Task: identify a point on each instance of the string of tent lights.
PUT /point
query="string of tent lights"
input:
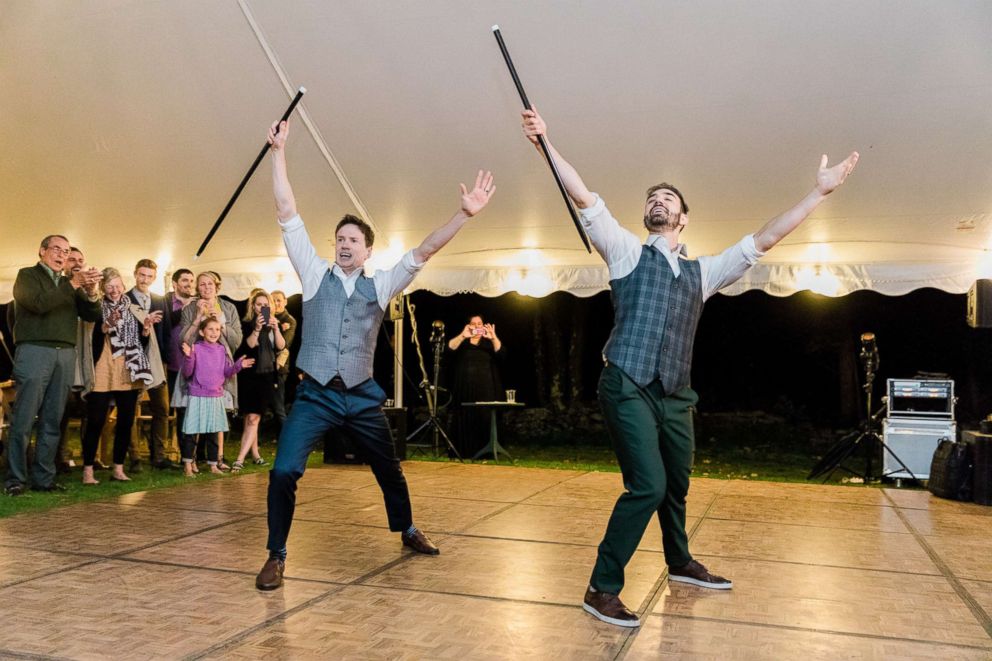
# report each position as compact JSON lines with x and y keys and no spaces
{"x":527,"y":273}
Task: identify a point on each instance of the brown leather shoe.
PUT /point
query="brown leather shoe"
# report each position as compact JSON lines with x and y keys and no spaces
{"x":270,"y":577}
{"x":609,"y":608}
{"x":695,"y":573}
{"x":420,"y":543}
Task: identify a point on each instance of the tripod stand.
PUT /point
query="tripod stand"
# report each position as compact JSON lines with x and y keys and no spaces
{"x":433,"y":423}
{"x":867,"y":434}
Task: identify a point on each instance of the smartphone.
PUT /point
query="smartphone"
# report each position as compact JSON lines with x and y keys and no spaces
{"x":478,"y":331}
{"x":266,"y":315}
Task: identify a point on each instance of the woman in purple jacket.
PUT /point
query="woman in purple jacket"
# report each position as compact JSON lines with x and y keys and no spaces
{"x":206,"y":367}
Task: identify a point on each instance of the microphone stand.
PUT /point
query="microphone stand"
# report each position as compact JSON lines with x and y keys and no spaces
{"x":431,"y":393}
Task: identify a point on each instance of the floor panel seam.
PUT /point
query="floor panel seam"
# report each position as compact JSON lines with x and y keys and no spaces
{"x":245,"y":633}
{"x":831,"y":632}
{"x":984,"y":620}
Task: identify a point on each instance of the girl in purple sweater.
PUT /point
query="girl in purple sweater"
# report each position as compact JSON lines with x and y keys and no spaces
{"x":206,"y":367}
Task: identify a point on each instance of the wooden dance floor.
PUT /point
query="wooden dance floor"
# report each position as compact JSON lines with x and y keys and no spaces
{"x":819,"y":573}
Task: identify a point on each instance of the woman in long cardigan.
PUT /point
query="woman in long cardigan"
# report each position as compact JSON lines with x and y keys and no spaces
{"x":119,"y":369}
{"x":209,"y":304}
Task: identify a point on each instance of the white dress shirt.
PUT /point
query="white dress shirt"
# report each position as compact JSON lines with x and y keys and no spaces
{"x":621,"y":250}
{"x":311,"y":267}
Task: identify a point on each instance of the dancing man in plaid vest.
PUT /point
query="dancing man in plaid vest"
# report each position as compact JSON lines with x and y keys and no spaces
{"x":658,"y":295}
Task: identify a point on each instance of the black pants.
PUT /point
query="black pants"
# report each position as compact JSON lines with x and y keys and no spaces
{"x":97,"y":406}
{"x":188,"y":443}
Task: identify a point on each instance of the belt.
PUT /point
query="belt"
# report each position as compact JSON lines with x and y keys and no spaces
{"x":337,"y":383}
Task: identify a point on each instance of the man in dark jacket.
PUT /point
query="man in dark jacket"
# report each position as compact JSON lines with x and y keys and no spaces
{"x":48,"y":307}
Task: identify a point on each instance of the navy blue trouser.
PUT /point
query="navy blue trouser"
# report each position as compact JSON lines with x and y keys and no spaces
{"x":356,"y":412}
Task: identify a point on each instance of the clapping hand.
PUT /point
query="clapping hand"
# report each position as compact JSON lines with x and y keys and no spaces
{"x":247,"y":362}
{"x":187,"y":350}
{"x":154,"y":317}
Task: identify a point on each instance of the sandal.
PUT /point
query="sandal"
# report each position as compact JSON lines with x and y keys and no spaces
{"x":258,"y":461}
{"x":237,"y":466}
{"x":224,"y":468}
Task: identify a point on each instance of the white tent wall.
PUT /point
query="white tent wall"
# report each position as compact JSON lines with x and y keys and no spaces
{"x":127,"y":124}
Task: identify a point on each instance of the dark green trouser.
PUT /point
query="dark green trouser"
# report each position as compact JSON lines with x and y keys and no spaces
{"x":652,"y":436}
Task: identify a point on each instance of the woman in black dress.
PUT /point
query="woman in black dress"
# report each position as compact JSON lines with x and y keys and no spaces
{"x":257,"y":386}
{"x":478,"y":353}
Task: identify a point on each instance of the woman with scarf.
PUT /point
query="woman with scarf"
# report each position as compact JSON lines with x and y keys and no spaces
{"x":257,"y":385}
{"x":120,"y":370}
{"x":209,"y":304}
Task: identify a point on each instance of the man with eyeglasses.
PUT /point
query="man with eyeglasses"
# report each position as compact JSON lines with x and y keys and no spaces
{"x":48,"y":307}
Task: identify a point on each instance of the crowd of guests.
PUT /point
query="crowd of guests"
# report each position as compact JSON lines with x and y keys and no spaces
{"x":83,"y":338}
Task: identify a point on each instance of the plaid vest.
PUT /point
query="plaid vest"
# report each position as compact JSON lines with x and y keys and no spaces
{"x":655,"y":319}
{"x":339,"y":333}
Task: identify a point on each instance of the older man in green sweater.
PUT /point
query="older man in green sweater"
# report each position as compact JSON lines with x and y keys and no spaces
{"x":48,"y":307}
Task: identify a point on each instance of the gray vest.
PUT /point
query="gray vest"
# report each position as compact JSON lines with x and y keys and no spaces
{"x":339,"y":333}
{"x":655,"y":319}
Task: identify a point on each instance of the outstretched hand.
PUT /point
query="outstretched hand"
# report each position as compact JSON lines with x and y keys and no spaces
{"x":828,"y":179}
{"x":475,"y":200}
{"x":278,"y":140}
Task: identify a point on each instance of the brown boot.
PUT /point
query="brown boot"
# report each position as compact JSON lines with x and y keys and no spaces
{"x":270,"y":577}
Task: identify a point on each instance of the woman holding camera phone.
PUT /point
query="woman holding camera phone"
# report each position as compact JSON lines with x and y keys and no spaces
{"x":258,"y":385}
{"x":478,"y":352}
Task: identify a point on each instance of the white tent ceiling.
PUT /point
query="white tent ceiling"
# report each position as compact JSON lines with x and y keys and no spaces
{"x":127,"y":124}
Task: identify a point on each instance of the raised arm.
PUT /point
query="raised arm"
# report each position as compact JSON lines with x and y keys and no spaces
{"x":472,"y":202}
{"x":285,"y":201}
{"x":827,"y":181}
{"x":534,"y":126}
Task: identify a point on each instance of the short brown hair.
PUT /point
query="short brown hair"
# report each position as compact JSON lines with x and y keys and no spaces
{"x":145,"y":264}
{"x":212,"y":319}
{"x":666,"y":186}
{"x":349,"y":219}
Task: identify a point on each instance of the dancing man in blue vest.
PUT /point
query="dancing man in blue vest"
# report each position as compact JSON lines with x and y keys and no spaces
{"x":658,"y":295}
{"x":342,"y":312}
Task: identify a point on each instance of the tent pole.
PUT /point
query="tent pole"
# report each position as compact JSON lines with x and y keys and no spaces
{"x":398,"y":363}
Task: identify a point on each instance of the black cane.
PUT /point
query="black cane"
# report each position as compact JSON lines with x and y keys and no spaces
{"x":251,"y":171}
{"x":540,"y":139}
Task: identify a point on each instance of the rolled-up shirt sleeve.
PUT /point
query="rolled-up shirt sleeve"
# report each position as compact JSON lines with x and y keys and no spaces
{"x":390,"y":282}
{"x":719,"y":271}
{"x":309,"y":266}
{"x":619,"y":248}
